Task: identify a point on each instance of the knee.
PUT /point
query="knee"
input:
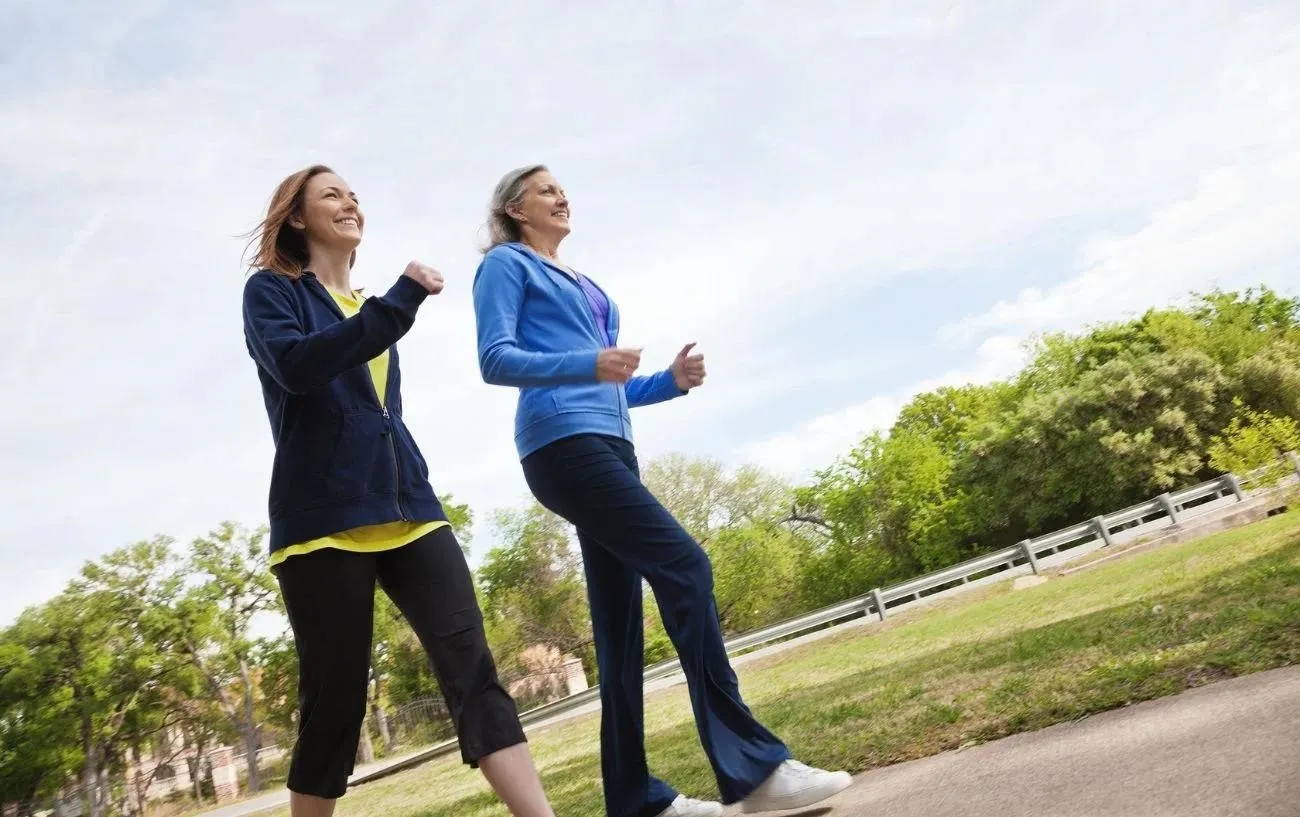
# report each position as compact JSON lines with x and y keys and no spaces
{"x":338,"y":687}
{"x":694,"y":574}
{"x":462,"y":659}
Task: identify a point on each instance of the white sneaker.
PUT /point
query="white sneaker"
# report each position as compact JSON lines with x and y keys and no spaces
{"x":794,"y":785}
{"x":686,"y":807}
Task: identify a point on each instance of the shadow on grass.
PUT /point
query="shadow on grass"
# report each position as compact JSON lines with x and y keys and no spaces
{"x":1243,"y":619}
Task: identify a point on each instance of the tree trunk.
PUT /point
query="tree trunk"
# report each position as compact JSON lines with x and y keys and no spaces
{"x":244,"y":723}
{"x":365,"y":746}
{"x":89,"y":770}
{"x":98,"y":780}
{"x":195,"y":764}
{"x":385,"y":734}
{"x":252,"y":740}
{"x":381,"y":718}
{"x":141,"y":783}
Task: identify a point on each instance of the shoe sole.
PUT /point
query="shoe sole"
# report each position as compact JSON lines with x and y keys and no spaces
{"x":802,"y":799}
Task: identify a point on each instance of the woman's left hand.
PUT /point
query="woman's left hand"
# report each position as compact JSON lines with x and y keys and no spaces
{"x":687,"y":368}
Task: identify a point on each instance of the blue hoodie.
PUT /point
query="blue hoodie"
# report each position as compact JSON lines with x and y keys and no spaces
{"x":342,"y":459}
{"x":536,"y":332}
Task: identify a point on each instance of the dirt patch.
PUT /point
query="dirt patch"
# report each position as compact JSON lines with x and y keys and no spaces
{"x":1201,"y":676}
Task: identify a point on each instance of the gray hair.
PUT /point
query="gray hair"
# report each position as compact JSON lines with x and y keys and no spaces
{"x":502,"y":227}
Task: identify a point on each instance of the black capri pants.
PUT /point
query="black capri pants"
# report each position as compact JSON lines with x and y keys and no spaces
{"x":329,"y":596}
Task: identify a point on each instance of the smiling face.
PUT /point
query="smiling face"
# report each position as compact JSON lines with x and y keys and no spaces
{"x":544,"y":209}
{"x":330,"y":215}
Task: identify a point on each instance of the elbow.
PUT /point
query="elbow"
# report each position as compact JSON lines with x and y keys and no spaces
{"x":294,"y":379}
{"x":288,"y":377}
{"x":490,"y":368}
{"x":294,"y":384}
{"x":501,"y":364}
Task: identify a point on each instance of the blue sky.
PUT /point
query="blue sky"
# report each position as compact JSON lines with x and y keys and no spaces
{"x":843,"y":203}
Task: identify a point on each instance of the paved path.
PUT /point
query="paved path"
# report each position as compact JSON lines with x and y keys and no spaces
{"x":276,"y":799}
{"x":1231,"y":749}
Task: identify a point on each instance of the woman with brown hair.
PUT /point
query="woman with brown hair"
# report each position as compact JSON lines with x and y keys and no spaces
{"x":350,"y":501}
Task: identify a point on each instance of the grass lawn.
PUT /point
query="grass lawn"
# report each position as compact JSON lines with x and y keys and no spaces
{"x":971,"y":669}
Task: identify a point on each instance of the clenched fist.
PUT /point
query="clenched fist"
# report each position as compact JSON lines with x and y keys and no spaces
{"x":425,"y":276}
{"x":688,"y":369}
{"x":617,"y":365}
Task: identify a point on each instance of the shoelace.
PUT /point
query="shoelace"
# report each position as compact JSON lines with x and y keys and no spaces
{"x":800,"y":770}
{"x":683,"y":800}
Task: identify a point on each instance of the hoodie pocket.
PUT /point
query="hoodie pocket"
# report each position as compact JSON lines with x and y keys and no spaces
{"x":597,"y":398}
{"x":305,"y":459}
{"x":362,"y":463}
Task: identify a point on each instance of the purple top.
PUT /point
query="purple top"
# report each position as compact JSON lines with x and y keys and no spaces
{"x":599,"y":306}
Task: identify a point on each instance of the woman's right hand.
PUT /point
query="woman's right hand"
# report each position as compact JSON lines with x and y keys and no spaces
{"x":617,"y":365}
{"x":425,"y":276}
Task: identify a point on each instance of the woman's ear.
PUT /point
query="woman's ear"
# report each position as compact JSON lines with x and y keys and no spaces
{"x":295,"y":221}
{"x":513,"y":211}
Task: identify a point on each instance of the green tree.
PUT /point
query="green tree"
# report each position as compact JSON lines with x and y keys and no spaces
{"x":138,"y":587}
{"x":1124,"y":432}
{"x":534,"y":579}
{"x":395,"y":644}
{"x":689,"y":488}
{"x":1256,"y":441}
{"x":1059,"y":360}
{"x":92,"y":678}
{"x":462,"y":521}
{"x":737,"y":516}
{"x":75,"y":642}
{"x":953,"y":417}
{"x":755,"y":574}
{"x":233,"y":586}
{"x":277,"y":661}
{"x":705,"y":498}
{"x":1095,"y":421}
{"x":1238,"y":325}
{"x":1269,"y":380}
{"x":38,"y":717}
{"x":895,"y":505}
{"x":1229,"y":327}
{"x":658,"y":646}
{"x":879,"y":503}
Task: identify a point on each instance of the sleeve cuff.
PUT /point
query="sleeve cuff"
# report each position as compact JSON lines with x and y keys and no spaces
{"x":670,"y":389}
{"x":582,"y":366}
{"x":406,"y":294}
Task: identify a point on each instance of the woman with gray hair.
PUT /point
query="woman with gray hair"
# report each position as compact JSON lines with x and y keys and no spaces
{"x":552,"y":333}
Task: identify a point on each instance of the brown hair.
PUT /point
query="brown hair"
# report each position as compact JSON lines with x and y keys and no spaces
{"x":280,"y":246}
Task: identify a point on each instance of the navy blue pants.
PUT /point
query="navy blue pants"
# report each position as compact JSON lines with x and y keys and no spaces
{"x":626,"y":534}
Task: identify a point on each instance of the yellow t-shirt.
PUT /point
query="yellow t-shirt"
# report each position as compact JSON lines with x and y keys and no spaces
{"x":370,"y":538}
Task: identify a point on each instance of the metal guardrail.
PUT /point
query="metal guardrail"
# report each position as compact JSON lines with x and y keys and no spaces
{"x":1083,"y":538}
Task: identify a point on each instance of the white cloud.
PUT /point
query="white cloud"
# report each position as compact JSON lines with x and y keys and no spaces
{"x":815,"y":444}
{"x":1238,"y":229}
{"x":747,"y":177}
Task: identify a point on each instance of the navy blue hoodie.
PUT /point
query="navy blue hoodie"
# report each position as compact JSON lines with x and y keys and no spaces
{"x":342,"y":460}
